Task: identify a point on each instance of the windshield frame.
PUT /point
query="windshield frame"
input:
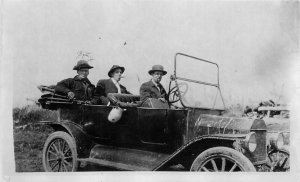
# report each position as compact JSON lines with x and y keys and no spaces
{"x":175,"y":78}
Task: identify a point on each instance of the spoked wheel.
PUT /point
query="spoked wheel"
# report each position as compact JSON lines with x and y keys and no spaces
{"x":59,"y":153}
{"x":279,"y":161}
{"x":222,"y":159}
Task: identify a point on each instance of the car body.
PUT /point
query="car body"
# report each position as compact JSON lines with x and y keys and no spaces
{"x":154,"y":136}
{"x":278,"y":136}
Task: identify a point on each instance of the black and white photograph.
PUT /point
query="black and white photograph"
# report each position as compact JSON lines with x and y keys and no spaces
{"x":146,"y":87}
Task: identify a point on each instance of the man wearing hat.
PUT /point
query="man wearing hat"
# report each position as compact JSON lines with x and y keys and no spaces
{"x":153,"y":88}
{"x":79,"y":86}
{"x":111,"y":85}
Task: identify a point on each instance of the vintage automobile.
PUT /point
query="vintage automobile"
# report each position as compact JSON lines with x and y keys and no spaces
{"x":278,"y":136}
{"x":188,"y":133}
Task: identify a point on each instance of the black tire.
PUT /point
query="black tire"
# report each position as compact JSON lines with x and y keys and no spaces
{"x":59,"y":153}
{"x":222,"y":159}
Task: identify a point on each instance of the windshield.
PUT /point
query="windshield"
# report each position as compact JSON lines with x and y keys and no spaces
{"x":198,"y":82}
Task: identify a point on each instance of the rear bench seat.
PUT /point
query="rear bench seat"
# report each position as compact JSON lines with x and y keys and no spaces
{"x":124,"y":100}
{"x":128,"y":100}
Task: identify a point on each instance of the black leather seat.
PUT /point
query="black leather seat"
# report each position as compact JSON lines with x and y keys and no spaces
{"x":124,"y":100}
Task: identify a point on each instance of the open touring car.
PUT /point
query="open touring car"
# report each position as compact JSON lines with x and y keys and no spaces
{"x":189,"y":131}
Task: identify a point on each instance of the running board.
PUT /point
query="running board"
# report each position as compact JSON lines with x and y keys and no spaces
{"x":124,"y":158}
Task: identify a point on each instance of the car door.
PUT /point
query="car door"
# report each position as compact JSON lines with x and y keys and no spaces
{"x":153,"y":126}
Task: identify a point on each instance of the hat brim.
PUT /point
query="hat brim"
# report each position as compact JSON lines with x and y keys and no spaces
{"x":151,"y":71}
{"x":112,"y":70}
{"x":82,"y":67}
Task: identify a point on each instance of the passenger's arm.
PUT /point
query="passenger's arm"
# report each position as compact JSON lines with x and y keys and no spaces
{"x":64,"y":86}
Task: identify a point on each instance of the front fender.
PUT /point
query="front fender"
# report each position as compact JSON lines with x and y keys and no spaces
{"x":192,"y":149}
{"x":83,"y":141}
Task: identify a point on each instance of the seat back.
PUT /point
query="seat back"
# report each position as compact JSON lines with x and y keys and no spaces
{"x":155,"y":103}
{"x":124,"y":100}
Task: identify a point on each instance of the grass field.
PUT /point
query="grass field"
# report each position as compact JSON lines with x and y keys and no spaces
{"x":29,"y":137}
{"x":28,"y":145}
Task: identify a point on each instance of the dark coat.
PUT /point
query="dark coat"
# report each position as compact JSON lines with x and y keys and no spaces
{"x":149,"y":90}
{"x":76,"y":86}
{"x":103,"y":88}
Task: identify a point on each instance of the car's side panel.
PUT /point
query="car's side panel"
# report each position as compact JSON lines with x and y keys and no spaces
{"x":95,"y":121}
{"x":122,"y":132}
{"x":72,"y":113}
{"x":177,"y":128}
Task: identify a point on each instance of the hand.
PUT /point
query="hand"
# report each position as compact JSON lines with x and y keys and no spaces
{"x":88,"y":102}
{"x":162,"y":99}
{"x":71,"y":95}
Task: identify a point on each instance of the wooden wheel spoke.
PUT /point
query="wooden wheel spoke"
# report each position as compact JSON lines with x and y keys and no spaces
{"x":284,"y":162}
{"x":64,"y":167}
{"x":59,"y":144}
{"x":68,"y":158}
{"x":55,"y":154}
{"x":51,"y":160}
{"x":205,"y":169}
{"x":64,"y":146}
{"x":214,"y":165}
{"x":51,"y":148}
{"x":59,"y":167}
{"x":233,"y":167}
{"x":223,"y":164}
{"x":54,"y":165}
{"x":55,"y":148}
{"x":67,"y":151}
{"x":67,"y":163}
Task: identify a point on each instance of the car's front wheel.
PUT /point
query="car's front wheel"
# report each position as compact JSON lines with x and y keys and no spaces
{"x":222,"y":159}
{"x":59,"y":153}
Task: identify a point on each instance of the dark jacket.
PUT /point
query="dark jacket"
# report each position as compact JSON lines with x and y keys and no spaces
{"x":78,"y":87}
{"x":149,"y":90}
{"x":103,"y":88}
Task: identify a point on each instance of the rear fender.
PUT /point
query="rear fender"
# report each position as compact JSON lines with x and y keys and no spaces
{"x":187,"y":153}
{"x":83,"y":141}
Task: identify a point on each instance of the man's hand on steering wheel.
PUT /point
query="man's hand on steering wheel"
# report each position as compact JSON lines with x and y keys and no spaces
{"x":174,"y":93}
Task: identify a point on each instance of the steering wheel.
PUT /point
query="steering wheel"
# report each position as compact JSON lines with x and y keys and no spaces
{"x":174,"y":93}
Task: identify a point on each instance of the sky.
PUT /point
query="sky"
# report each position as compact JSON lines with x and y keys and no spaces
{"x":255,"y":43}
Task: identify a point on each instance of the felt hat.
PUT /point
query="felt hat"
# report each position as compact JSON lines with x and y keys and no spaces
{"x":113,"y":68}
{"x":82,"y":64}
{"x":157,"y":68}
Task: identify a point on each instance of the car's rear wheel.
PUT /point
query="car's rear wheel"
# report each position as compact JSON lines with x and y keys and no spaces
{"x":222,"y":159}
{"x":59,"y":153}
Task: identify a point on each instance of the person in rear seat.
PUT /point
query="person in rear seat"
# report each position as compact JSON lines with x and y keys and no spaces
{"x":111,"y":85}
{"x":78,"y":87}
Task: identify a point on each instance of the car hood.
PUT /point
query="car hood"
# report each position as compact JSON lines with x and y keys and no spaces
{"x":277,"y":124}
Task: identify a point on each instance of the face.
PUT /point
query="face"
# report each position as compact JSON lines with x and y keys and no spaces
{"x":157,"y":76}
{"x":83,"y":73}
{"x":117,"y":74}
